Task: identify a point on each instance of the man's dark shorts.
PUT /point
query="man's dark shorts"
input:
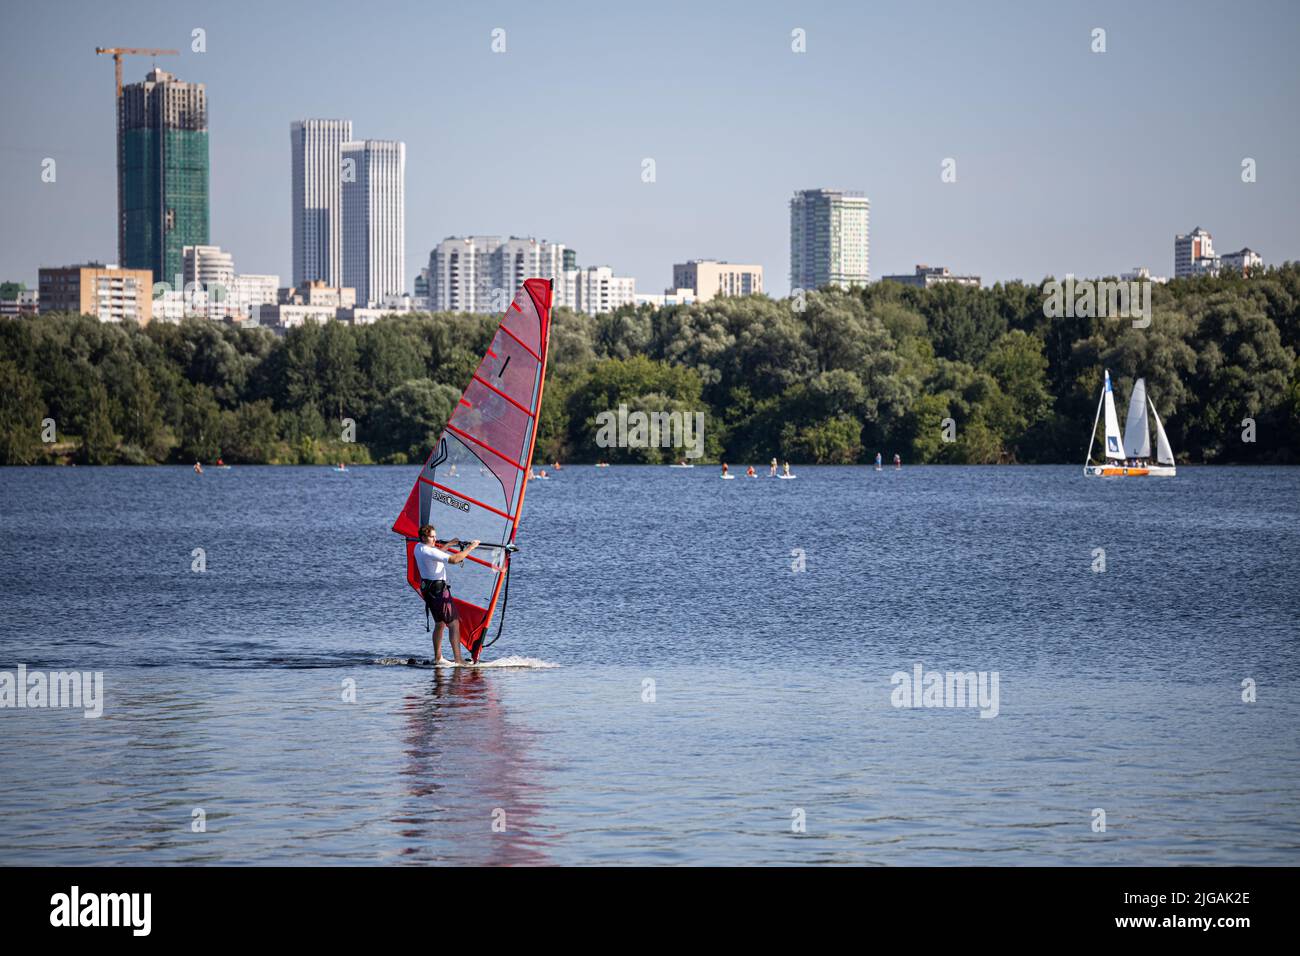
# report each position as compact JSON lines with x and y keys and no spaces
{"x":438,"y":600}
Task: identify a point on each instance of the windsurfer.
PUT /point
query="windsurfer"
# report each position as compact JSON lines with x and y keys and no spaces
{"x":432,"y":561}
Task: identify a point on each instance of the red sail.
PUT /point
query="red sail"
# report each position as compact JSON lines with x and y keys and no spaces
{"x":472,"y":485}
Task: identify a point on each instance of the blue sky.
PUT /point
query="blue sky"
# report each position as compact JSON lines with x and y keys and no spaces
{"x":1067,"y":160}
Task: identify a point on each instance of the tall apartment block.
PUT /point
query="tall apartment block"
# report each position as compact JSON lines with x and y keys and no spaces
{"x":109,"y":293}
{"x":1194,"y":254}
{"x":164,"y":173}
{"x":481,"y":273}
{"x":829,"y":239}
{"x":316,"y":147}
{"x":374,"y":219}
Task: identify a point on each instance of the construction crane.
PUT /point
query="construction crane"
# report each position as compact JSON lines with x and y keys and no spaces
{"x":118,"y":52}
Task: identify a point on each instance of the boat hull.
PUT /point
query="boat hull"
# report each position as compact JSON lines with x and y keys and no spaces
{"x":1126,"y":471}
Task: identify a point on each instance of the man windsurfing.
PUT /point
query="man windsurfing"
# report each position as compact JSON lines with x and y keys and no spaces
{"x":432,"y":562}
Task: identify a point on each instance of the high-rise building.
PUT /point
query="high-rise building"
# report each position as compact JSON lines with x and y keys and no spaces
{"x":828,"y":239}
{"x":164,"y":173}
{"x":316,"y":146}
{"x":1194,"y":254}
{"x":709,"y":277}
{"x":109,"y":293}
{"x":482,"y":273}
{"x":926,"y":276}
{"x":374,"y":219}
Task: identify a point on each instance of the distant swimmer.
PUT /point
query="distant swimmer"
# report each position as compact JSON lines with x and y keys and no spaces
{"x":772,"y":473}
{"x":558,"y":466}
{"x":898,"y":462}
{"x":750,"y":473}
{"x":431,"y":561}
{"x":198,"y":469}
{"x":451,"y":471}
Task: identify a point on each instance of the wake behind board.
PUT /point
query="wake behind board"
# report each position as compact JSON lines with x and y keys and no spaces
{"x":504,"y":663}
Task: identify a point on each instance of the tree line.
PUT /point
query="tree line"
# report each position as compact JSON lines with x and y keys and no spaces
{"x":830,"y":377}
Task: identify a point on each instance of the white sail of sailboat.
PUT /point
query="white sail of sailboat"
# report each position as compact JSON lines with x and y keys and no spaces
{"x":1129,"y":454}
{"x":1137,"y":436}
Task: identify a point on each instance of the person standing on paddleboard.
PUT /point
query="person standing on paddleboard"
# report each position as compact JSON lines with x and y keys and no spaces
{"x":432,"y":562}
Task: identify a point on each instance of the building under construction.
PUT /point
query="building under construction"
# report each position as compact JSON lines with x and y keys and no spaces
{"x":164,"y":173}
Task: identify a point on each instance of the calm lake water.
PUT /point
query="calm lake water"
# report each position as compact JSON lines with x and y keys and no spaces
{"x":709,"y":700}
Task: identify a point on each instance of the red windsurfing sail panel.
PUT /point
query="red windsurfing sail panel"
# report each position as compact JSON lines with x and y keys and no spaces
{"x":472,"y":485}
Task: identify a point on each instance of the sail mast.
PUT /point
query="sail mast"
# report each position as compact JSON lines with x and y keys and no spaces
{"x":1092,"y":436}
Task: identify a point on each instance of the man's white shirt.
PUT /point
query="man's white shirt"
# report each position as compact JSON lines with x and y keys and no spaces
{"x":432,"y":562}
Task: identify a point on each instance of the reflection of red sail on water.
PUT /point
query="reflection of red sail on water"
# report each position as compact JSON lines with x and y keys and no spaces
{"x":472,"y":485}
{"x":467,"y":769}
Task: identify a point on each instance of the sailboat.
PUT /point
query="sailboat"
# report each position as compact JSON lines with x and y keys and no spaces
{"x":472,"y":484}
{"x":1129,"y":455}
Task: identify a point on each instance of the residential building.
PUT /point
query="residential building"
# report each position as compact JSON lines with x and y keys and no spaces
{"x":926,"y":276}
{"x":208,"y":266}
{"x":482,"y":273}
{"x":319,"y":295}
{"x":110,"y":293}
{"x":709,"y":277}
{"x":163,"y":173}
{"x":374,"y":219}
{"x":316,"y":148}
{"x":829,"y":239}
{"x":20,"y":302}
{"x":1241,"y":261}
{"x":669,"y":297}
{"x":597,"y":290}
{"x":1194,"y":254}
{"x":1142,"y":274}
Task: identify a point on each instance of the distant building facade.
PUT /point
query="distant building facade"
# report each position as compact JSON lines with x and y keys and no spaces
{"x":374,"y":219}
{"x":110,"y":293}
{"x":164,"y":173}
{"x":1243,"y":260}
{"x":829,"y":239}
{"x":709,"y":277}
{"x":482,"y":273}
{"x":20,"y":302}
{"x":1194,"y":254}
{"x":669,"y":297}
{"x":926,"y":276}
{"x":596,"y":290}
{"x":209,"y":266}
{"x":316,"y":148}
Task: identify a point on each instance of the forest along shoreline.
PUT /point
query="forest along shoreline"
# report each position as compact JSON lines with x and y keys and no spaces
{"x":827,"y":378}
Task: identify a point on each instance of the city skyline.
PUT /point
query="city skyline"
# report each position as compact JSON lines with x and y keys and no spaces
{"x":1116,"y":167}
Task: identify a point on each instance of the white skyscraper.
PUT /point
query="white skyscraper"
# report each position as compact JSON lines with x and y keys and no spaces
{"x":829,"y":239}
{"x":317,"y":146}
{"x":374,"y":219}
